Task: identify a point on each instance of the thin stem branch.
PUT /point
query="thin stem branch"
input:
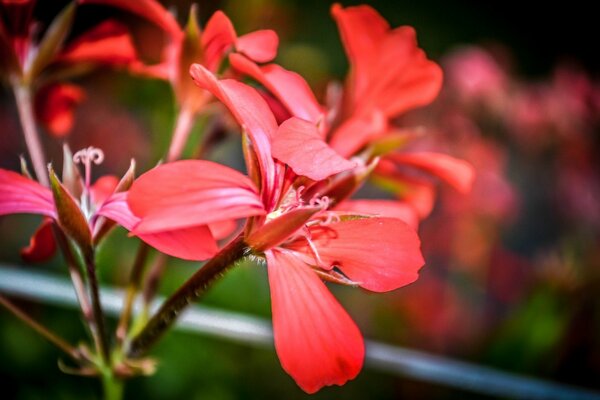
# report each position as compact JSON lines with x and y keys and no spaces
{"x":76,"y":274}
{"x":191,"y":290}
{"x":183,"y":127}
{"x":152,"y":280}
{"x":32,"y":139}
{"x":42,"y":330}
{"x":133,"y":287}
{"x":100,"y":335}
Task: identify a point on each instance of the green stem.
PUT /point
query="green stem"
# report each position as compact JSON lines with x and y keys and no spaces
{"x":32,"y":140}
{"x":152,"y":281}
{"x":100,"y":335}
{"x":76,"y":274}
{"x":42,"y":330}
{"x":191,"y":290}
{"x":112,"y":385}
{"x":133,"y":287}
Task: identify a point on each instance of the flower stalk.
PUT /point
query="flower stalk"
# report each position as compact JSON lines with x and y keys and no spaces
{"x":98,"y":328}
{"x":133,"y":288}
{"x":191,"y":290}
{"x":32,"y":140}
{"x":42,"y":330}
{"x":181,"y":132}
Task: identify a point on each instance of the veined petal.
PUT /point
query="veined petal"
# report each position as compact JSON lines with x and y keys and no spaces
{"x":189,"y":193}
{"x":382,"y":208}
{"x":150,"y":10}
{"x":381,"y":254}
{"x":252,"y":113}
{"x":299,"y":145}
{"x":457,"y":173}
{"x":389,"y":72}
{"x":19,"y":194}
{"x":195,"y":243}
{"x":362,"y":29}
{"x":260,"y":46}
{"x":318,"y":344}
{"x":289,"y":87}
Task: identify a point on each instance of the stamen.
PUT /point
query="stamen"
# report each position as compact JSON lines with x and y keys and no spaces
{"x":311,"y":245}
{"x":86,"y":157}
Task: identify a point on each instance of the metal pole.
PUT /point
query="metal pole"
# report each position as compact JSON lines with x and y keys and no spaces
{"x":418,"y":365}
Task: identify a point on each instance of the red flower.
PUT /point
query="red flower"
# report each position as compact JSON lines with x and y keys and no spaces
{"x":81,"y":210}
{"x":299,"y":233}
{"x":389,"y":75}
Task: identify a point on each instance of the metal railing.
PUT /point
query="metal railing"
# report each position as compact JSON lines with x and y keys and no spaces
{"x":418,"y":365}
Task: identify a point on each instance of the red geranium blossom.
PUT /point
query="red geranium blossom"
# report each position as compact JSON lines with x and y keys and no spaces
{"x":300,"y":233}
{"x":87,"y":207}
{"x":389,"y":75}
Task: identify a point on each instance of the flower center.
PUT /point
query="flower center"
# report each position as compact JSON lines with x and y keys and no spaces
{"x":87,"y":157}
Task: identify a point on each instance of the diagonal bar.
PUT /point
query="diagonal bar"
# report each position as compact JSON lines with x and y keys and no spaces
{"x":50,"y":289}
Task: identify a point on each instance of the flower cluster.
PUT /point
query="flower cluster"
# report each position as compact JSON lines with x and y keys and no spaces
{"x":294,"y":207}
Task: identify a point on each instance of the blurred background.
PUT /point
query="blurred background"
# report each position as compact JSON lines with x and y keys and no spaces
{"x":513,"y":269}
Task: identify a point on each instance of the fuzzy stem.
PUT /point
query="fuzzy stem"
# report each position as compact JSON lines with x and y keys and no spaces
{"x":133,"y":287}
{"x":183,"y":127}
{"x":32,"y":140}
{"x":191,"y":290}
{"x":42,"y":330}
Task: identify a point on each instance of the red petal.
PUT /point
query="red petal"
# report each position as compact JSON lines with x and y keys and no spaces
{"x":19,"y":194}
{"x":218,"y":37}
{"x":389,"y":71}
{"x":42,"y":245}
{"x":191,"y":193}
{"x":107,"y":43}
{"x":289,"y":87}
{"x":259,"y":46}
{"x":252,"y":113}
{"x":222,"y":229}
{"x":420,"y":193}
{"x":151,"y":10}
{"x":195,"y":243}
{"x":382,"y":208}
{"x":357,"y":132}
{"x":55,"y":105}
{"x":457,"y":173}
{"x":318,"y":344}
{"x":103,"y":188}
{"x":381,"y":254}
{"x":299,"y":145}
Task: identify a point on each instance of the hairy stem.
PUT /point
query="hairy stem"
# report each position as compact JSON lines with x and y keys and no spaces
{"x":32,"y":139}
{"x":42,"y":330}
{"x":191,"y":290}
